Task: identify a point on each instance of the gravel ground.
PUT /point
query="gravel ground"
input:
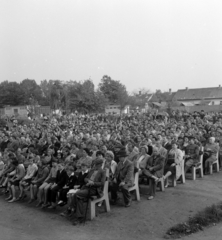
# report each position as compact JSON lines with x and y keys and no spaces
{"x":143,"y":220}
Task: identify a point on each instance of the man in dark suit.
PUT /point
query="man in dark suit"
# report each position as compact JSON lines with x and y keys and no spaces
{"x":154,"y":171}
{"x":60,"y":182}
{"x":80,"y":182}
{"x":166,"y":144}
{"x":123,"y":178}
{"x":94,"y":187}
{"x":70,"y":183}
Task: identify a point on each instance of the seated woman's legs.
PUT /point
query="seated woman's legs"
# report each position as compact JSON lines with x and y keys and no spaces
{"x":21,"y":187}
{"x":33,"y":192}
{"x":10,"y":192}
{"x":13,"y":185}
{"x":46,"y":190}
{"x":41,"y":192}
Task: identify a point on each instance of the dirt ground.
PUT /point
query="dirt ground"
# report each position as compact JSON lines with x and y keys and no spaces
{"x":143,"y":220}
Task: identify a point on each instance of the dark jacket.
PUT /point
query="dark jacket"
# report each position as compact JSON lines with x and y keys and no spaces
{"x":4,"y":145}
{"x":167,"y":146}
{"x":71,"y":181}
{"x":157,"y":163}
{"x":81,"y":179}
{"x":61,"y":178}
{"x":125,"y":172}
{"x":99,"y":180}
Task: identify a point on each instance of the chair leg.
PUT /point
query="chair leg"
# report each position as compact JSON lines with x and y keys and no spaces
{"x":92,"y":210}
{"x":162,"y":185}
{"x":211,"y":169}
{"x":217,"y":166}
{"x":193,"y":173}
{"x":183,"y":178}
{"x":174,"y":181}
{"x":107,"y":205}
{"x":137,"y":193}
{"x":201,"y":172}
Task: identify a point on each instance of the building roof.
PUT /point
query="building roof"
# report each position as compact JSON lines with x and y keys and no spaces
{"x":186,"y":104}
{"x":198,"y":93}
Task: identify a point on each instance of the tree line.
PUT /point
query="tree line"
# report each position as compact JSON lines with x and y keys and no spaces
{"x":71,"y":95}
{"x":67,"y":95}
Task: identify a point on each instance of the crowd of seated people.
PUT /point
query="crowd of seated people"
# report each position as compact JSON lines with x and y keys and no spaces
{"x":63,"y":162}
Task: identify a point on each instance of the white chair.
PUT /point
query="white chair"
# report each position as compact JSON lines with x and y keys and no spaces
{"x":135,"y":187}
{"x":105,"y":198}
{"x":199,"y":167}
{"x":215,"y":163}
{"x":182,"y":177}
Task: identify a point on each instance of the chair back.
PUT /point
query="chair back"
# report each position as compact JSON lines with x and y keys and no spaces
{"x":201,"y":156}
{"x":136,"y":178}
{"x":106,"y":184}
{"x":217,"y":156}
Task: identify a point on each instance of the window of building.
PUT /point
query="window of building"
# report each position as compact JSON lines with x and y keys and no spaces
{"x":220,"y":102}
{"x":213,"y":103}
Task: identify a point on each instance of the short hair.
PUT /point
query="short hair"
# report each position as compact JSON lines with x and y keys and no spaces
{"x":99,"y":153}
{"x":87,"y":151}
{"x":110,"y":153}
{"x":11,"y":155}
{"x":15,"y":162}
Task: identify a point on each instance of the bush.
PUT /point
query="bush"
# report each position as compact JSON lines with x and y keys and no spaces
{"x":209,"y":216}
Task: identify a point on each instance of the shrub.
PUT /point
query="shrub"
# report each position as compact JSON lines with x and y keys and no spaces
{"x":209,"y":216}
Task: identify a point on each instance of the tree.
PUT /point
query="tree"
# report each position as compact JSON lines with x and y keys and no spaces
{"x":46,"y":90}
{"x":54,"y":92}
{"x":11,"y":94}
{"x":100,"y":101}
{"x":81,"y":96}
{"x":114,"y":91}
{"x":32,"y":92}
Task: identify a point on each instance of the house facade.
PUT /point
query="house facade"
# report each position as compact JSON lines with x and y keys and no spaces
{"x":116,"y":109}
{"x":23,"y":111}
{"x":16,"y":111}
{"x":199,"y":96}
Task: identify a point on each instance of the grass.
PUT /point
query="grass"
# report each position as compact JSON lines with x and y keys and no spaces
{"x":210,"y":216}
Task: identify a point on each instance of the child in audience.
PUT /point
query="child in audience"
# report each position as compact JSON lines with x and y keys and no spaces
{"x":60,"y":182}
{"x":43,"y":172}
{"x":26,"y":181}
{"x":71,"y":181}
{"x":14,"y":181}
{"x":44,"y":188}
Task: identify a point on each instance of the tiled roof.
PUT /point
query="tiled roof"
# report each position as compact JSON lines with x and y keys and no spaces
{"x":198,"y":93}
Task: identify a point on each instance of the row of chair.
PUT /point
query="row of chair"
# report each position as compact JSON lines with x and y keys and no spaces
{"x":135,"y":187}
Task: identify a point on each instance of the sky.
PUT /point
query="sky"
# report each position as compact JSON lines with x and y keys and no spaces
{"x":151,"y":44}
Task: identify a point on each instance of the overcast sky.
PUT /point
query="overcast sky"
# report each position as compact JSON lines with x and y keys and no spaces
{"x":152,"y":44}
